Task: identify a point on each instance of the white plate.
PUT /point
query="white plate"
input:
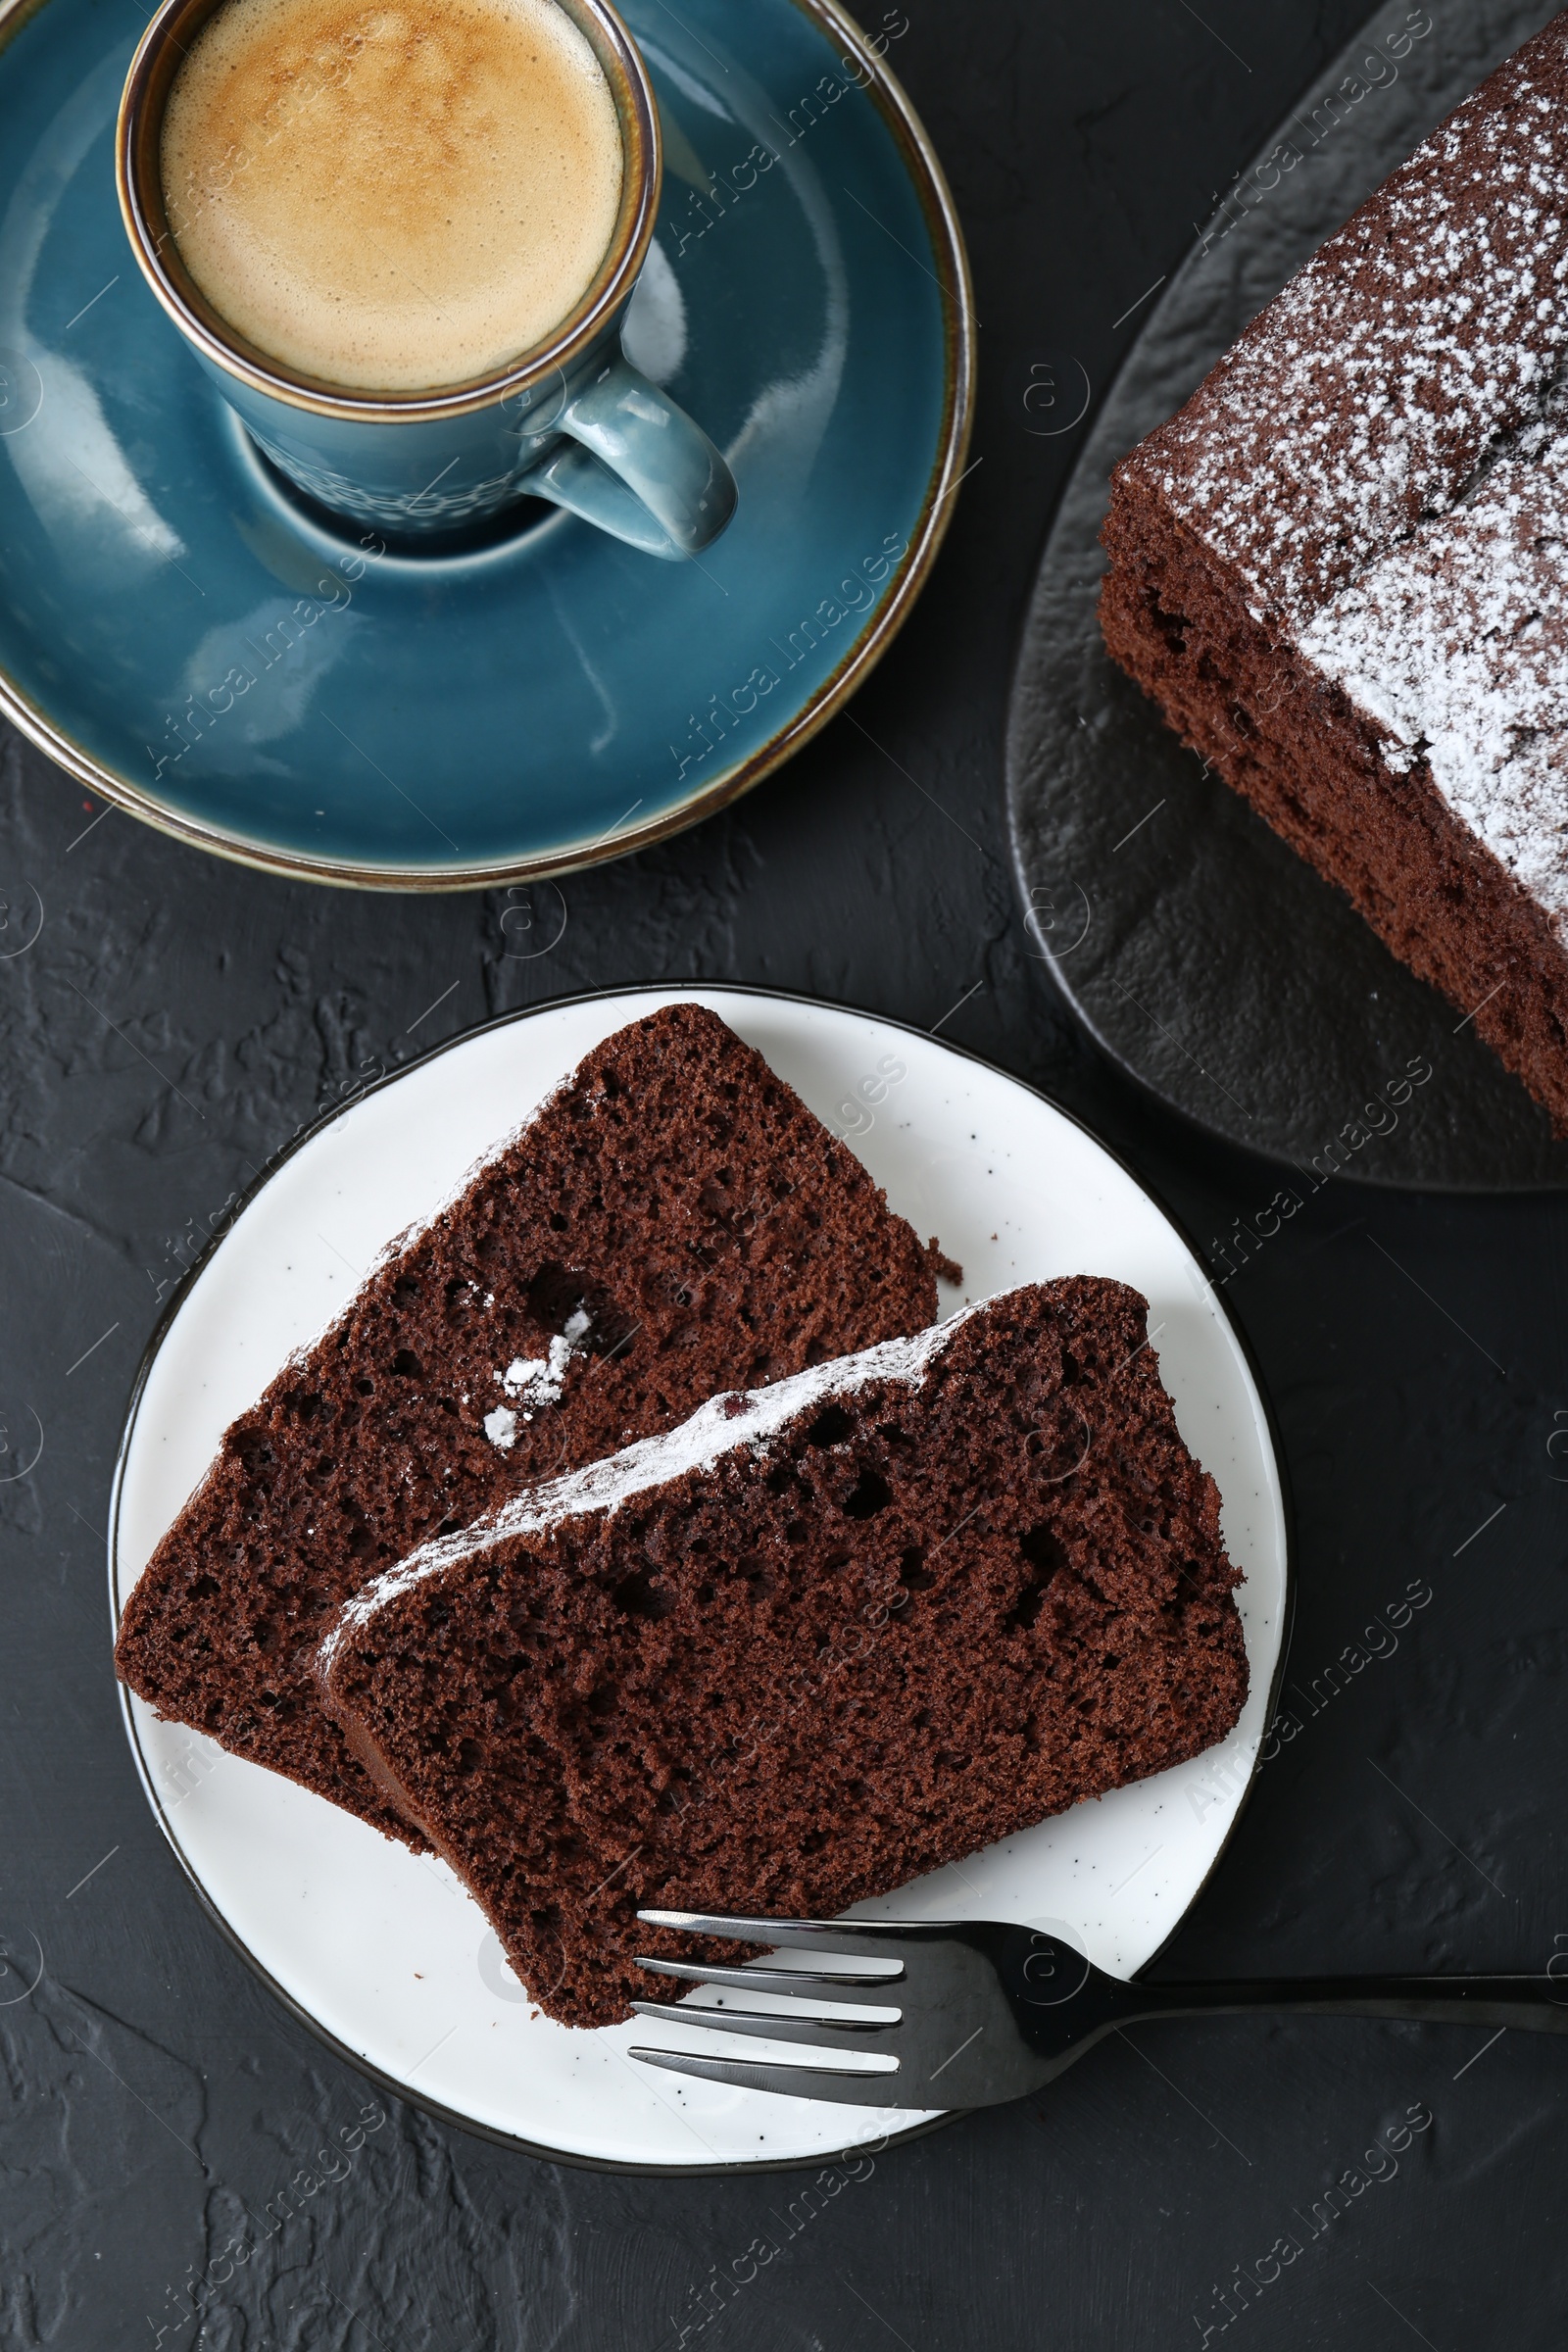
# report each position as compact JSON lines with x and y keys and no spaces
{"x":382,"y":1951}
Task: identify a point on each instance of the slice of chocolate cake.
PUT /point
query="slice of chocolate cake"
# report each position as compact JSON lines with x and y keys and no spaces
{"x":819,"y":1640}
{"x":1342,"y":569}
{"x":672,"y":1221}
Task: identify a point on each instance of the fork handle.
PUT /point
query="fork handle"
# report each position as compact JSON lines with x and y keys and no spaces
{"x":1536,"y":2004}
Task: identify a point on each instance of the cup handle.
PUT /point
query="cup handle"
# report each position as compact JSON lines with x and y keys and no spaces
{"x":636,"y":466}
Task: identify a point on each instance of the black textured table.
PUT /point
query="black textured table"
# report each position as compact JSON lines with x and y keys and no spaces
{"x":174,"y":1020}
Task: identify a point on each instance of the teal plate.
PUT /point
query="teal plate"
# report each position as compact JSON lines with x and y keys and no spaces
{"x":188,"y":640}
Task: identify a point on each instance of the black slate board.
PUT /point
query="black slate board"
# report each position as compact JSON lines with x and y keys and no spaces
{"x":1205,"y":956}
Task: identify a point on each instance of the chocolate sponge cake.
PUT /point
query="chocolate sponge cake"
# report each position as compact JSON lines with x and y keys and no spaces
{"x":816,"y":1641}
{"x":1342,"y":569}
{"x":672,"y":1221}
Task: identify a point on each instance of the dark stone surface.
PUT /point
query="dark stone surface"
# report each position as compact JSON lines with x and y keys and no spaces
{"x":175,"y":1020}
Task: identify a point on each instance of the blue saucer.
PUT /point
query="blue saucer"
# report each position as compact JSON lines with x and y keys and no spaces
{"x":186,"y":638}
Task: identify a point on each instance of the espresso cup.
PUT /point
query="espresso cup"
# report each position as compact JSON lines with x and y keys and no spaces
{"x":570,"y":420}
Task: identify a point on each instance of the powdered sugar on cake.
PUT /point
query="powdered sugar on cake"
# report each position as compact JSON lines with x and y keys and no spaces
{"x":1381,"y":464}
{"x":1456,"y":643}
{"x":1361,"y":401}
{"x":535,"y":1381}
{"x":739,"y":1418}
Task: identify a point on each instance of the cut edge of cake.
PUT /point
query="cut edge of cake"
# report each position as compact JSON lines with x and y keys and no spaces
{"x":723,"y":1429}
{"x":680,"y":1015}
{"x":604,"y":1486}
{"x":1283,"y":548}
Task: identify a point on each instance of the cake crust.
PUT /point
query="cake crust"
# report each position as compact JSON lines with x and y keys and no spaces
{"x":672,"y":1221}
{"x":816,"y":1642}
{"x":1341,"y":568}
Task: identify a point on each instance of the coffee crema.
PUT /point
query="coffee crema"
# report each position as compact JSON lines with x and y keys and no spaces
{"x":392,"y":197}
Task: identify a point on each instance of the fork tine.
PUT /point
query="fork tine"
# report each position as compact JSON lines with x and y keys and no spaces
{"x":827,"y":2033}
{"x":841,"y":2084}
{"x":819,"y":1980}
{"x":870,"y":1939}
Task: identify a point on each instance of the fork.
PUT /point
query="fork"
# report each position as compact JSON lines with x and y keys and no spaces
{"x":972,"y":2011}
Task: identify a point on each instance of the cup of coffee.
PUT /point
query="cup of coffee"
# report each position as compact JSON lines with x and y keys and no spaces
{"x":401,"y":236}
